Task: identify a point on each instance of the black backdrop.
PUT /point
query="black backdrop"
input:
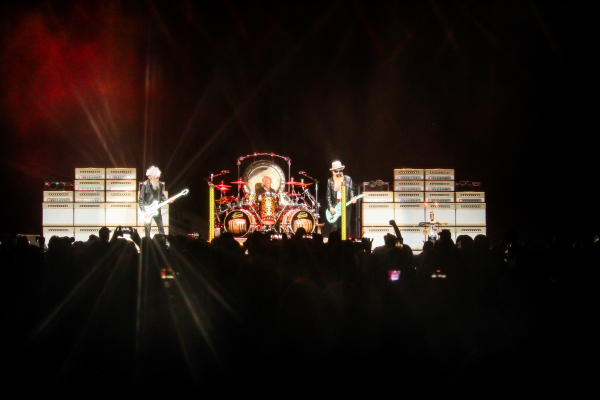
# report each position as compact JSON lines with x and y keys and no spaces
{"x":503,"y":92}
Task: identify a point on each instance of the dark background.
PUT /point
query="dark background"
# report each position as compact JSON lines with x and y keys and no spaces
{"x":503,"y":92}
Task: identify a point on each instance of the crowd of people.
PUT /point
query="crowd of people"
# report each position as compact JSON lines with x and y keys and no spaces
{"x":297,"y":317}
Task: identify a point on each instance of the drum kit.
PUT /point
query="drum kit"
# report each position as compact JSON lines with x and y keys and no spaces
{"x":277,"y":211}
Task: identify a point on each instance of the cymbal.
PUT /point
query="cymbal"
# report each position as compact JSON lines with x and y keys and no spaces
{"x":240,"y":182}
{"x":223,"y":189}
{"x":225,"y":199}
{"x":294,"y":194}
{"x":222,"y":185}
{"x":296,"y":183}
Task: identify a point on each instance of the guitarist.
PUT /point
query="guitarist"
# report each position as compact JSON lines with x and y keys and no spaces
{"x":334,"y":194}
{"x":152,"y":189}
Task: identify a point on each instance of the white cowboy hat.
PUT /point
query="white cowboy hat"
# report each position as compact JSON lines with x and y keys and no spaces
{"x":337,"y":166}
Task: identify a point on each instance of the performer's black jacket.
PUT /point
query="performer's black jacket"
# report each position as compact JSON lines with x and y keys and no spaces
{"x":147,"y":194}
{"x":332,"y":195}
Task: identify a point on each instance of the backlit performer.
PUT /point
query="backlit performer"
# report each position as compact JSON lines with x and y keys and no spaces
{"x":152,"y":190}
{"x":334,"y":194}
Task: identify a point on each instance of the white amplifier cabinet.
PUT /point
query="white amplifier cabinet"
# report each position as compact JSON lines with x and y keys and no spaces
{"x":403,"y":174}
{"x":471,"y":231}
{"x":153,"y":230}
{"x":121,"y":196}
{"x":89,"y":184}
{"x":442,"y":212}
{"x":57,"y":214}
{"x":165,"y":214}
{"x":409,"y":197}
{"x":90,"y":173}
{"x":409,"y":214}
{"x":89,"y":197}
{"x":439,"y":174}
{"x":377,"y":197}
{"x":124,"y":214}
{"x":412,"y":236}
{"x":377,"y":233}
{"x":470,"y":214}
{"x":60,"y":231}
{"x":82,"y":234}
{"x":409,"y":186}
{"x":90,"y":214}
{"x":439,"y":186}
{"x":439,"y":197}
{"x":470,"y":197}
{"x":121,"y":184}
{"x":376,"y":214}
{"x":121,"y":173}
{"x":58,"y":196}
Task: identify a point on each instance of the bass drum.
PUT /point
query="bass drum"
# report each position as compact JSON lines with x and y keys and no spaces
{"x":294,"y":219}
{"x":240,"y":223}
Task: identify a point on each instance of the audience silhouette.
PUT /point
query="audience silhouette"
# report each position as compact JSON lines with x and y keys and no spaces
{"x":296,"y":317}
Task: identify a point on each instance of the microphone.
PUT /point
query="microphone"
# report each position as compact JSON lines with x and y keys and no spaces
{"x":302,"y":173}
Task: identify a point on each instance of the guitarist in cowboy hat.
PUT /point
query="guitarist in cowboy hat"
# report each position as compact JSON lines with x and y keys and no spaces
{"x":153,"y":190}
{"x":334,"y":194}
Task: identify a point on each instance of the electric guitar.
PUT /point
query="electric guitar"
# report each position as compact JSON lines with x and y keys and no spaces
{"x":150,"y":211}
{"x":338,"y":209}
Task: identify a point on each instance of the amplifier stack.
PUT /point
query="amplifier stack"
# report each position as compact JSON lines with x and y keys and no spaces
{"x":420,"y":196}
{"x":101,"y":197}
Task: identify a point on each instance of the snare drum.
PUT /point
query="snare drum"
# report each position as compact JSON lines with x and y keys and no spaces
{"x":291,"y":220}
{"x":240,"y":223}
{"x":268,"y":208}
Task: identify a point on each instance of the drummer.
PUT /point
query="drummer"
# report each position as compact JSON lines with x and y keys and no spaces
{"x":266,"y":186}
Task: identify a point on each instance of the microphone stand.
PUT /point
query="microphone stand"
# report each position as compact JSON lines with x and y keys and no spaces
{"x":209,"y":179}
{"x":317,"y":205}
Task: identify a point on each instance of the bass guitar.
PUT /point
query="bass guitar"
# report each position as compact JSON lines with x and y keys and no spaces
{"x":150,"y":211}
{"x":338,"y":209}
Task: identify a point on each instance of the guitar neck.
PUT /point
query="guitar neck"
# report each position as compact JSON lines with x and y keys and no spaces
{"x":360,"y":196}
{"x":169,"y":200}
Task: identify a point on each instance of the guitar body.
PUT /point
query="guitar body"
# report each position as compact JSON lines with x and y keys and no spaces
{"x":338,"y":213}
{"x":150,"y":212}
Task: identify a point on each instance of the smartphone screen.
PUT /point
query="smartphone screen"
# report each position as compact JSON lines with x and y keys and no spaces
{"x":394,"y":275}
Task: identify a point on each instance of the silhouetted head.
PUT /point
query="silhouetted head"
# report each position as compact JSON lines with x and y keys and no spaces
{"x":104,"y":234}
{"x":427,"y":245}
{"x":300,"y":232}
{"x":464,"y":242}
{"x":389,"y":240}
{"x":481,"y":242}
{"x":445,"y":234}
{"x":334,"y":237}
